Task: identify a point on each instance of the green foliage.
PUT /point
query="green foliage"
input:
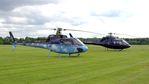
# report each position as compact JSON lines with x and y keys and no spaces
{"x":6,"y":40}
{"x":138,"y":41}
{"x":29,"y":39}
{"x":27,"y":65}
{"x":1,"y":40}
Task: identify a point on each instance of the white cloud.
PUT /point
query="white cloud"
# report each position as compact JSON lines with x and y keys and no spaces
{"x":7,"y":5}
{"x":101,"y":16}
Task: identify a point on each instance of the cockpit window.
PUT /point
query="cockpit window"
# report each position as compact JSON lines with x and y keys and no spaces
{"x":125,"y":42}
{"x":71,"y":41}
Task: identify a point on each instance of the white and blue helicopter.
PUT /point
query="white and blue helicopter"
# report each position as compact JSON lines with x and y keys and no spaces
{"x":58,"y":43}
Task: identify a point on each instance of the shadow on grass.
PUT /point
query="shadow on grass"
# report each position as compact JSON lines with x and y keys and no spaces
{"x":65,"y":56}
{"x":114,"y":50}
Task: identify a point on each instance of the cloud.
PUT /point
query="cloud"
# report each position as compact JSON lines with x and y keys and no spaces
{"x":6,"y":5}
{"x":111,"y":13}
{"x":92,"y":15}
{"x":29,"y":19}
{"x":36,"y":15}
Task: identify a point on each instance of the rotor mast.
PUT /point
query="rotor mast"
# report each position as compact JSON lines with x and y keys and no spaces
{"x":58,"y":32}
{"x":110,"y":34}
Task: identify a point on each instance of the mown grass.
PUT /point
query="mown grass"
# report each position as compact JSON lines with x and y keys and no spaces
{"x":28,"y":65}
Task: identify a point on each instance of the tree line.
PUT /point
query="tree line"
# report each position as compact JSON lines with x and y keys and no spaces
{"x":138,"y":41}
{"x":7,"y":40}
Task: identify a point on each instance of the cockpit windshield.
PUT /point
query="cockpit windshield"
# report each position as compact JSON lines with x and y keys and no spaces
{"x":71,"y":41}
{"x":77,"y":42}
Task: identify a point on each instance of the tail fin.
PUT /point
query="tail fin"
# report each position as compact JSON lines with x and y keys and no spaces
{"x":13,"y":40}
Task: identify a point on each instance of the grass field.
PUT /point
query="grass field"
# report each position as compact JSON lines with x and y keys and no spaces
{"x":29,"y":65}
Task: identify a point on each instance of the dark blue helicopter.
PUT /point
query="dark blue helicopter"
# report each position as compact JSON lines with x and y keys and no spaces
{"x":111,"y":41}
{"x":59,"y":43}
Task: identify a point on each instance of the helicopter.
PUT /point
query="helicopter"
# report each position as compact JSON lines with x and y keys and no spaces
{"x":58,"y":43}
{"x":111,"y":42}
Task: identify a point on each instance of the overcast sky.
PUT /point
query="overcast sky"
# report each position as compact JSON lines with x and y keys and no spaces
{"x":36,"y":17}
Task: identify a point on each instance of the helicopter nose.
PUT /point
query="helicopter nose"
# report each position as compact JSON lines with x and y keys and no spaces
{"x":128,"y":46}
{"x":82,"y":49}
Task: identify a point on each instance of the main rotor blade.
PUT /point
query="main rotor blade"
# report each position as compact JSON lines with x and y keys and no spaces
{"x":82,"y":31}
{"x":125,"y":35}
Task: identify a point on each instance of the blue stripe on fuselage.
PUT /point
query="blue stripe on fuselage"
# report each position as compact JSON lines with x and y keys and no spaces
{"x":67,"y":49}
{"x":60,"y":48}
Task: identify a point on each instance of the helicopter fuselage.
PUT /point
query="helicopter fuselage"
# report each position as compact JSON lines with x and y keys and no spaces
{"x":113,"y":42}
{"x":62,"y":46}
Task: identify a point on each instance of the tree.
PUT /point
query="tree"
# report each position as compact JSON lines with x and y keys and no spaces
{"x":1,"y":40}
{"x":7,"y":40}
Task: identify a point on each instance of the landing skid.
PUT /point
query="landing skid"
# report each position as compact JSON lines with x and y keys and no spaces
{"x":59,"y":55}
{"x":78,"y":54}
